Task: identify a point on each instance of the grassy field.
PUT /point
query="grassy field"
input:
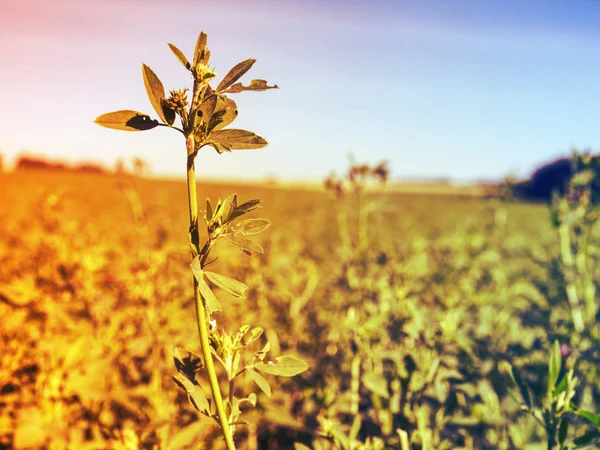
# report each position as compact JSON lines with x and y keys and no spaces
{"x":413,"y":334}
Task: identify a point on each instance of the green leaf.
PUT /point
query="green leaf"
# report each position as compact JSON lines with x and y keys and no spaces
{"x":255,"y":334}
{"x":286,"y":366}
{"x":563,"y":430}
{"x":126,"y":120}
{"x":209,"y":211}
{"x":522,"y":385}
{"x":244,"y":208}
{"x":169,"y":113}
{"x":199,"y":52}
{"x":260,"y":381}
{"x":377,"y":384}
{"x":562,"y":385}
{"x":356,"y":425}
{"x":225,"y":209}
{"x":233,"y":287}
{"x":235,"y":139}
{"x":255,"y":85}
{"x":252,"y":226}
{"x":196,"y":269}
{"x":210,"y":301}
{"x":554,"y":366}
{"x":155,"y":90}
{"x":189,"y":364}
{"x":180,"y":56}
{"x":244,"y":244}
{"x":594,"y":418}
{"x":300,"y":446}
{"x":188,"y":436}
{"x":587,"y":439}
{"x":195,"y":394}
{"x":206,"y":110}
{"x":224,"y":113}
{"x":235,"y":74}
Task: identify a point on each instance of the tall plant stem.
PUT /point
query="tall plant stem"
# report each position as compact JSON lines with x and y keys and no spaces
{"x":569,"y":274}
{"x":200,"y":310}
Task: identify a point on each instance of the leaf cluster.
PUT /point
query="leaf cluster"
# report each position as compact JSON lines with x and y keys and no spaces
{"x":205,"y":117}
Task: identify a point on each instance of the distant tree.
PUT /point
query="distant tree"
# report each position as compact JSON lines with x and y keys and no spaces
{"x":553,"y":176}
{"x":29,"y":162}
{"x":89,"y":168}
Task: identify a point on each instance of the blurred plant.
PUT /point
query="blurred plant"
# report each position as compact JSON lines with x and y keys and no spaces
{"x":575,"y":215}
{"x":555,"y":411}
{"x":203,"y":121}
{"x":358,"y":179}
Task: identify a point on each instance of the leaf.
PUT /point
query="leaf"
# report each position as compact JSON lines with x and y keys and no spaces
{"x":300,"y":446}
{"x":187,"y":365}
{"x":286,"y":366}
{"x":522,"y":385}
{"x":187,"y":436}
{"x":206,"y":110}
{"x":126,"y":120}
{"x":233,"y":287}
{"x":180,"y":56}
{"x":260,"y":381}
{"x":254,"y":335}
{"x":224,"y":113}
{"x":244,"y":244}
{"x":156,"y":92}
{"x":563,"y":430}
{"x":255,"y":85}
{"x":586,"y":439}
{"x":209,"y":211}
{"x":235,"y":139}
{"x":196,"y":269}
{"x":252,"y":226}
{"x":235,"y":74}
{"x":195,"y":394}
{"x":169,"y":113}
{"x":210,"y":301}
{"x":554,"y":366}
{"x":199,"y":52}
{"x":562,"y":385}
{"x":244,"y":208}
{"x":594,"y":418}
{"x":377,"y":384}
{"x":225,"y":208}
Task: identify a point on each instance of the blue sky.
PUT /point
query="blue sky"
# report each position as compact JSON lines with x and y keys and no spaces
{"x":460,"y":89}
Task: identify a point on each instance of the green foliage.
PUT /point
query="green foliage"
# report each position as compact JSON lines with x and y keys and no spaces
{"x":553,"y":411}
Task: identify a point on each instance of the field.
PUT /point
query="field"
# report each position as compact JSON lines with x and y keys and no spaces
{"x":409,"y":342}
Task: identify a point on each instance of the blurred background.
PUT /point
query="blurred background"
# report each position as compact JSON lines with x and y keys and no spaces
{"x":433,"y":253}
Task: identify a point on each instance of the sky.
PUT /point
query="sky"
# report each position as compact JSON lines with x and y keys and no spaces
{"x":466,"y":90}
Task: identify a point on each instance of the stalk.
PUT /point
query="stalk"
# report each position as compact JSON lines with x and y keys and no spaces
{"x":200,"y":310}
{"x":569,"y":264}
{"x":362,"y":220}
{"x":343,"y":231}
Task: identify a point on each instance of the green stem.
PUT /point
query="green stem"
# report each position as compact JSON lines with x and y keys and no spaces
{"x":362,"y":220}
{"x":569,"y":274}
{"x":200,"y":310}
{"x":355,"y":384}
{"x":343,"y":229}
